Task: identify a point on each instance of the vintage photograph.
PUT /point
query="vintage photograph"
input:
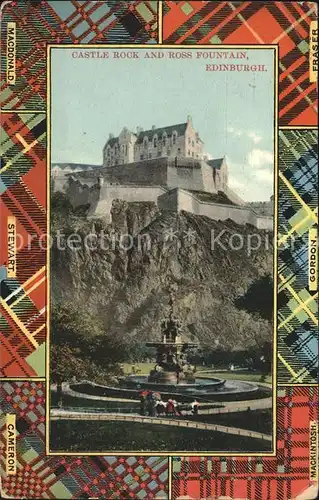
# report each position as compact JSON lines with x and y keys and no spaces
{"x":162,"y":252}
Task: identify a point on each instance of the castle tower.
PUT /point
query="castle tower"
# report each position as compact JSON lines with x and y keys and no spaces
{"x":127,"y":141}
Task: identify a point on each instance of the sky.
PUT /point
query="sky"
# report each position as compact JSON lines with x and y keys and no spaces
{"x":232,"y":111}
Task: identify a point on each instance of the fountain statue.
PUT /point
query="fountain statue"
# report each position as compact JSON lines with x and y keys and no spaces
{"x":172,"y":366}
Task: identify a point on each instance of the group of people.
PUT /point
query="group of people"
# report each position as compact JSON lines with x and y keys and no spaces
{"x":152,"y":404}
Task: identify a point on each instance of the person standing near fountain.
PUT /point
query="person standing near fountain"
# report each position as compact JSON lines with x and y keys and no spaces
{"x":195,"y":406}
{"x":142,"y":402}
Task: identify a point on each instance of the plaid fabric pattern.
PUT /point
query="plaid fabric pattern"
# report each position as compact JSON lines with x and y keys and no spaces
{"x":23,"y":192}
{"x":257,"y":478}
{"x":69,"y":22}
{"x":41,"y":476}
{"x":297,"y":213}
{"x":284,"y":23}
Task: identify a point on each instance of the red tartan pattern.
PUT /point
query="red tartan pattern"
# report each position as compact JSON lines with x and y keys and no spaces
{"x":284,"y":23}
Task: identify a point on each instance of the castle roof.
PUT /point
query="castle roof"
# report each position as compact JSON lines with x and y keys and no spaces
{"x":216,"y":163}
{"x":112,"y":141}
{"x":179,"y":128}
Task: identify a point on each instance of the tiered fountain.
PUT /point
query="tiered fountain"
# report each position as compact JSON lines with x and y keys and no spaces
{"x":173,"y":375}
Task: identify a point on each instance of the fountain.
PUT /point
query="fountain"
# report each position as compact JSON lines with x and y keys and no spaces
{"x":172,"y":366}
{"x":173,"y":375}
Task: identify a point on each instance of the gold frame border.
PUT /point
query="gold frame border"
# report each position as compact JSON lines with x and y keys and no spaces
{"x":273,"y":47}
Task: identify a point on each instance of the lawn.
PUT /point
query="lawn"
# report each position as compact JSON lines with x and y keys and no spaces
{"x":145,"y":368}
{"x":244,"y":375}
{"x":257,"y":420}
{"x":81,"y":436}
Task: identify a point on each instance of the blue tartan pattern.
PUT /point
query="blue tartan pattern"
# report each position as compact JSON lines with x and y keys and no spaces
{"x":297,"y":305}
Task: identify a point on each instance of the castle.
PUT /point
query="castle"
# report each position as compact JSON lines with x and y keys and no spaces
{"x":165,"y":165}
{"x":175,"y":140}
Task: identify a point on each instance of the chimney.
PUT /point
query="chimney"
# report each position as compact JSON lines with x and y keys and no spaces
{"x":153,"y":127}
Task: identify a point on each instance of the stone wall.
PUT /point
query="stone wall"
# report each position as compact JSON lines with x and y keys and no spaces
{"x":143,"y":173}
{"x":179,"y":199}
{"x":186,"y":173}
{"x":165,"y":181}
{"x":101,"y":199}
{"x":185,"y":177}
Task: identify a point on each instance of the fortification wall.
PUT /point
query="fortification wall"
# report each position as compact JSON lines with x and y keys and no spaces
{"x":60,"y":182}
{"x":265,"y":222}
{"x":178,"y":200}
{"x":101,"y":206}
{"x":148,"y":172}
{"x":185,"y":173}
{"x":152,"y":172}
{"x":185,"y":177}
{"x":208,"y":179}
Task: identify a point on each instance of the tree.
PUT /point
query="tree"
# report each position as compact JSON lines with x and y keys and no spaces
{"x":80,"y":347}
{"x":259,"y":298}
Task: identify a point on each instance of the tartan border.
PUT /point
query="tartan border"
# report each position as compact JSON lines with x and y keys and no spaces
{"x":71,"y":22}
{"x":42,"y":476}
{"x":284,"y":23}
{"x":281,"y":477}
{"x":23,"y":195}
{"x":297,"y":214}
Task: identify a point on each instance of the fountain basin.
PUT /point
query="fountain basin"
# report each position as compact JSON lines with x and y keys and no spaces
{"x":202,"y":390}
{"x":142,"y":382}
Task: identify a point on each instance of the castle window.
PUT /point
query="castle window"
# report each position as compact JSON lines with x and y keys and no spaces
{"x":188,"y":153}
{"x":193,"y":154}
{"x":126,"y":149}
{"x":155,"y":141}
{"x":108,"y":151}
{"x":142,"y":157}
{"x":193,"y":143}
{"x":179,"y":150}
{"x":174,"y":137}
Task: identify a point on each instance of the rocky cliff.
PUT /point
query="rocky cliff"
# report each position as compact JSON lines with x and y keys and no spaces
{"x":125,"y":273}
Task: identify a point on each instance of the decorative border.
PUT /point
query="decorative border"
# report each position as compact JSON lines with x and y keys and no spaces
{"x":41,"y":476}
{"x":282,"y":477}
{"x":286,"y":24}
